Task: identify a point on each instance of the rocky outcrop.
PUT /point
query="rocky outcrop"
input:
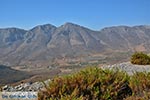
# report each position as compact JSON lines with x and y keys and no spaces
{"x":26,"y":87}
{"x":128,"y":67}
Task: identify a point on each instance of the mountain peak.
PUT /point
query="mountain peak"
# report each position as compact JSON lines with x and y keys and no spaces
{"x":47,"y":25}
{"x":69,"y":24}
{"x":44,"y":26}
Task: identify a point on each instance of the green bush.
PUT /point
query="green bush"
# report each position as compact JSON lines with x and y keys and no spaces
{"x":89,"y":84}
{"x":140,"y":59}
{"x":140,"y":85}
{"x":98,"y":84}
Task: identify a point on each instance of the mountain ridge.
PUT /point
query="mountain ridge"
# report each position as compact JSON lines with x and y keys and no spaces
{"x":45,"y":42}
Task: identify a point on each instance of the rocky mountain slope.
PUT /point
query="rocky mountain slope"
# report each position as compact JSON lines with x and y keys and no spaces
{"x":45,"y":42}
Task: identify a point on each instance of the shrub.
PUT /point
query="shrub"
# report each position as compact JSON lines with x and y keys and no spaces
{"x":140,"y":58}
{"x":98,"y":84}
{"x":89,"y":84}
{"x":140,"y":85}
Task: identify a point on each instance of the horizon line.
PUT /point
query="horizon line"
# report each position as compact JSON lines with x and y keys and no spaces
{"x":29,"y":28}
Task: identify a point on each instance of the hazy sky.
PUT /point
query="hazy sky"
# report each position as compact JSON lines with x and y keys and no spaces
{"x":94,"y":14}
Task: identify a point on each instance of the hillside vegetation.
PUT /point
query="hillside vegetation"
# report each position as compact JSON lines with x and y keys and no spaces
{"x":140,"y":58}
{"x":98,"y":84}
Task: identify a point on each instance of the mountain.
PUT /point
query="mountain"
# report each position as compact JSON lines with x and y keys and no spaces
{"x":126,"y":38}
{"x":71,"y":39}
{"x":10,"y":39}
{"x":46,"y":42}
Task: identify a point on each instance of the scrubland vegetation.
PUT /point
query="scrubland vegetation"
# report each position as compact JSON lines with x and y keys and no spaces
{"x":97,"y":84}
{"x":140,"y":59}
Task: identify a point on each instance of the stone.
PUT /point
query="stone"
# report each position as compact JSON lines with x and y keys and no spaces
{"x":5,"y":87}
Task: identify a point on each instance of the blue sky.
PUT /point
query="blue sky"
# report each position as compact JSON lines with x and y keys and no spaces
{"x":94,"y":14}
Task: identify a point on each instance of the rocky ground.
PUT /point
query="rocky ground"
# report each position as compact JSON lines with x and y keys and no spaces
{"x":128,"y":67}
{"x":125,"y":66}
{"x":28,"y":87}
